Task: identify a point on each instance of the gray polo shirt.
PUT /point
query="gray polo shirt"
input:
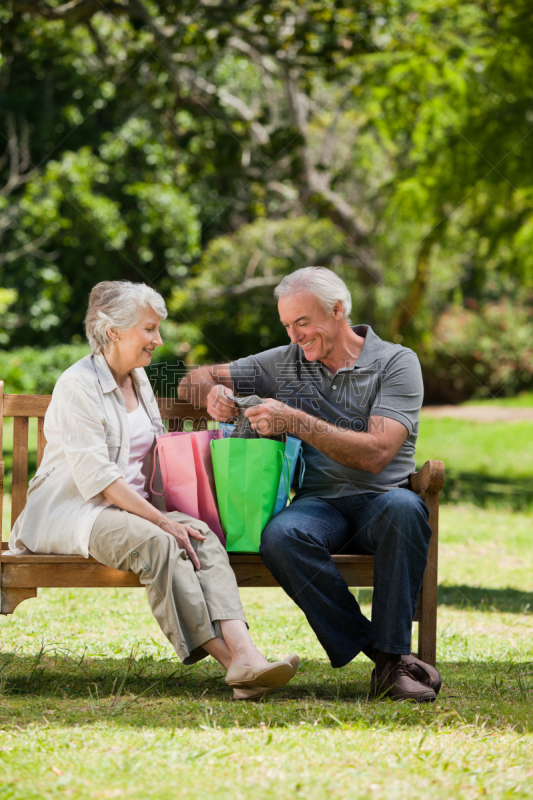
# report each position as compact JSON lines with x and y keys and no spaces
{"x":385,"y":381}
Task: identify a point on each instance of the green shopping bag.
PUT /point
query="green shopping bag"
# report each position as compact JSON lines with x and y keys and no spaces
{"x":247,"y":475}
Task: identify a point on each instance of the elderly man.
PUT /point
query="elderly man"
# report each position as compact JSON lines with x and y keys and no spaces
{"x":354,"y":400}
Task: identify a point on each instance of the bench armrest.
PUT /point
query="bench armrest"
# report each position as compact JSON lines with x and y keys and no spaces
{"x":428,"y":479}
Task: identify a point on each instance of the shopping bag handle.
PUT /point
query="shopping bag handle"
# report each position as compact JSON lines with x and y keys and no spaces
{"x":156,"y":452}
{"x":285,"y":470}
{"x":302,"y":470}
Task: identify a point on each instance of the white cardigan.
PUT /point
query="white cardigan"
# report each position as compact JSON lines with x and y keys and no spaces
{"x":88,"y":448}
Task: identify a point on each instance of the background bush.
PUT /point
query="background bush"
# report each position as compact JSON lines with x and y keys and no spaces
{"x":27,"y":370}
{"x":30,"y":371}
{"x":481,"y":351}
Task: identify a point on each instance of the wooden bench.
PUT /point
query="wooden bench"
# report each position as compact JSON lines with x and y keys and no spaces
{"x":21,"y":576}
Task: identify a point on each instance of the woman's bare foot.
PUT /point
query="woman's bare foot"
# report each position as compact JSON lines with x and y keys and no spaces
{"x":242,"y":650}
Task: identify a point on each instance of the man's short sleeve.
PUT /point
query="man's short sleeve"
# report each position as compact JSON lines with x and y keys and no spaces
{"x":257,"y":374}
{"x":401,"y":390}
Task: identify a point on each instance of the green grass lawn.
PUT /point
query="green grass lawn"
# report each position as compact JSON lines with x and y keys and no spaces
{"x":486,"y":463}
{"x":94,"y":704}
{"x":502,"y":449}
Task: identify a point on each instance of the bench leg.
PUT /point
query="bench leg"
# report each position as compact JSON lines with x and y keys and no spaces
{"x":11,"y":598}
{"x":427,"y":626}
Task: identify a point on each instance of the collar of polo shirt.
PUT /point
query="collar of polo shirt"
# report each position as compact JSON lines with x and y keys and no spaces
{"x":371,"y":350}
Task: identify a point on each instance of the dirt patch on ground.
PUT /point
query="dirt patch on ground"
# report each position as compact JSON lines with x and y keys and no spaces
{"x":480,"y":413}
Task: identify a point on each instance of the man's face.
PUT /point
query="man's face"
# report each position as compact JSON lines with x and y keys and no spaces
{"x":309,"y":326}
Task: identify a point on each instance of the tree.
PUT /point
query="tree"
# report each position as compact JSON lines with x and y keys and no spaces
{"x":163,"y":134}
{"x":227,"y":307}
{"x":232,"y":75}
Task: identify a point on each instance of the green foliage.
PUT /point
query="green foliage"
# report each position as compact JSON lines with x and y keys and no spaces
{"x":68,"y":203}
{"x":458,"y":164}
{"x":484,"y":350}
{"x":229,"y":297}
{"x":27,"y":370}
{"x":146,"y":139}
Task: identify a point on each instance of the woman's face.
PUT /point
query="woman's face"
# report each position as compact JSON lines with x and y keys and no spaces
{"x":134,"y":348}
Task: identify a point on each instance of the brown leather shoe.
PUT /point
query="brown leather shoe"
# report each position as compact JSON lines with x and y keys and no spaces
{"x":397,"y":682}
{"x":424,"y":673}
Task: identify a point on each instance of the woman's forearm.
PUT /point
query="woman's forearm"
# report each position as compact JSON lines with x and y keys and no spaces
{"x":195,"y":387}
{"x":122,"y":495}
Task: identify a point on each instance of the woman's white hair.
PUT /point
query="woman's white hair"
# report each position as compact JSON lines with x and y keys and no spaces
{"x":119,"y":305}
{"x":323,"y":283}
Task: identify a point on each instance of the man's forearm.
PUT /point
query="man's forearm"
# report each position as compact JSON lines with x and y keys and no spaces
{"x":353,"y":449}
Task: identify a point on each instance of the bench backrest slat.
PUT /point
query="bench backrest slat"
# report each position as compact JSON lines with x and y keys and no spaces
{"x":1,"y":461}
{"x":41,"y":440}
{"x":29,"y":405}
{"x":26,"y":405}
{"x":20,"y":467}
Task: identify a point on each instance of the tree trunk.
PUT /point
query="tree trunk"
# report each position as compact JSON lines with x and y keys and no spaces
{"x":408,"y":307}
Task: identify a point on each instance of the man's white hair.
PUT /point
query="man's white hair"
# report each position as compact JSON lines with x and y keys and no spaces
{"x":120,"y":305}
{"x":322,"y":283}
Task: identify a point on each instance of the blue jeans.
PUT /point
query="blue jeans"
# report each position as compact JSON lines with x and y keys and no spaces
{"x":297,"y":545}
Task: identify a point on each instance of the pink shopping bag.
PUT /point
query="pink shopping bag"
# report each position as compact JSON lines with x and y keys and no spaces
{"x":187,"y":473}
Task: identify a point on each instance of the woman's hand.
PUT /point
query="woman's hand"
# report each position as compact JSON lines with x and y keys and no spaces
{"x":122,"y":495}
{"x":220,"y":404}
{"x":181,"y":534}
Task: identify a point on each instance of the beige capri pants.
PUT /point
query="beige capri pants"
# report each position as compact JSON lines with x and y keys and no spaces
{"x":186,"y":603}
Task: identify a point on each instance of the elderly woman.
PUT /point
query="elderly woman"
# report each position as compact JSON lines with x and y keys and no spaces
{"x":91,"y":494}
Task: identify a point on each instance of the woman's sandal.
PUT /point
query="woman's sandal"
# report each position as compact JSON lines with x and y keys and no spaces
{"x":294,"y":661}
{"x":250,"y":683}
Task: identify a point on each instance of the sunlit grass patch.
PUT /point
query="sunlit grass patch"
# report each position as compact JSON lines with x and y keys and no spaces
{"x":94,"y":703}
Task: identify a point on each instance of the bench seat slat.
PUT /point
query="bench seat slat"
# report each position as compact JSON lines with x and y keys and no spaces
{"x":236,"y":559}
{"x":51,"y":571}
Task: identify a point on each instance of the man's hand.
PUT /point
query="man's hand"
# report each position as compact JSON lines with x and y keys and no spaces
{"x":220,"y":404}
{"x":181,"y":534}
{"x":271,"y":418}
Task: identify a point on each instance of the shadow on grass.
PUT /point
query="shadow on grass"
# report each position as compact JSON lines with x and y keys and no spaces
{"x":511,"y":601}
{"x":59,"y":689}
{"x":485,"y":490}
{"x":473,"y":597}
